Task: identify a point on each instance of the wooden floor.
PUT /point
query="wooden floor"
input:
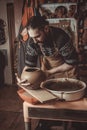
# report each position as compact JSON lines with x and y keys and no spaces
{"x":11,"y":120}
{"x":11,"y":110}
{"x":11,"y":113}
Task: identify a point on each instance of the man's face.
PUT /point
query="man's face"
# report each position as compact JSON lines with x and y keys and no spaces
{"x":37,"y":35}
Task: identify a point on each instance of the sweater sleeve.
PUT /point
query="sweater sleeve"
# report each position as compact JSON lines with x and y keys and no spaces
{"x":66,"y":47}
{"x":31,"y":56}
{"x":69,"y":53}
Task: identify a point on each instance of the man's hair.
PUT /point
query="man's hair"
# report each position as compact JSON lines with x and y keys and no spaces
{"x":37,"y":22}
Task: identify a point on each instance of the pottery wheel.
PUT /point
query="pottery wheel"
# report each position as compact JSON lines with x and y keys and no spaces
{"x":66,"y":88}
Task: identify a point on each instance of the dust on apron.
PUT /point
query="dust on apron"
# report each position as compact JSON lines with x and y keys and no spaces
{"x":49,"y":62}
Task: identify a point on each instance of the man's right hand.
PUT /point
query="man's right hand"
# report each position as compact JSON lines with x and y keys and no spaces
{"x":25,"y":83}
{"x":21,"y":82}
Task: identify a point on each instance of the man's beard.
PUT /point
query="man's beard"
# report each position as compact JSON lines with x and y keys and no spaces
{"x":45,"y":38}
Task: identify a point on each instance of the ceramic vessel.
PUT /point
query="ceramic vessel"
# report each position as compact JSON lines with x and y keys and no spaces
{"x":34,"y":76}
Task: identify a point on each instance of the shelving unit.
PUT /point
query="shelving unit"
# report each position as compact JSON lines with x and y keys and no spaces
{"x":82,"y":37}
{"x":62,"y":15}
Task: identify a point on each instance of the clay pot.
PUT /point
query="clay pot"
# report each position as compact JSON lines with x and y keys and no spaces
{"x":34,"y":76}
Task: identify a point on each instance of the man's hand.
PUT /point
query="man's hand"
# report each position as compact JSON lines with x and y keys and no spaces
{"x":25,"y":83}
{"x":21,"y":82}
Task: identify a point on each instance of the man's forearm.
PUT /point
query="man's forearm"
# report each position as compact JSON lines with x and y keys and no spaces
{"x":61,"y":68}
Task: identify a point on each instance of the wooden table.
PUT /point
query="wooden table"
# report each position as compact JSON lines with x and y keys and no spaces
{"x":75,"y":111}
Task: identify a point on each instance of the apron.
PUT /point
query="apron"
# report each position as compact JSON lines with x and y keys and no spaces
{"x":49,"y":62}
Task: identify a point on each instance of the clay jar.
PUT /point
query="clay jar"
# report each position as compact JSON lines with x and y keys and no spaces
{"x":34,"y":76}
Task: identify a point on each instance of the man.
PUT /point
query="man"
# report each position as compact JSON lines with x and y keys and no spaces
{"x":54,"y":46}
{"x":55,"y":49}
